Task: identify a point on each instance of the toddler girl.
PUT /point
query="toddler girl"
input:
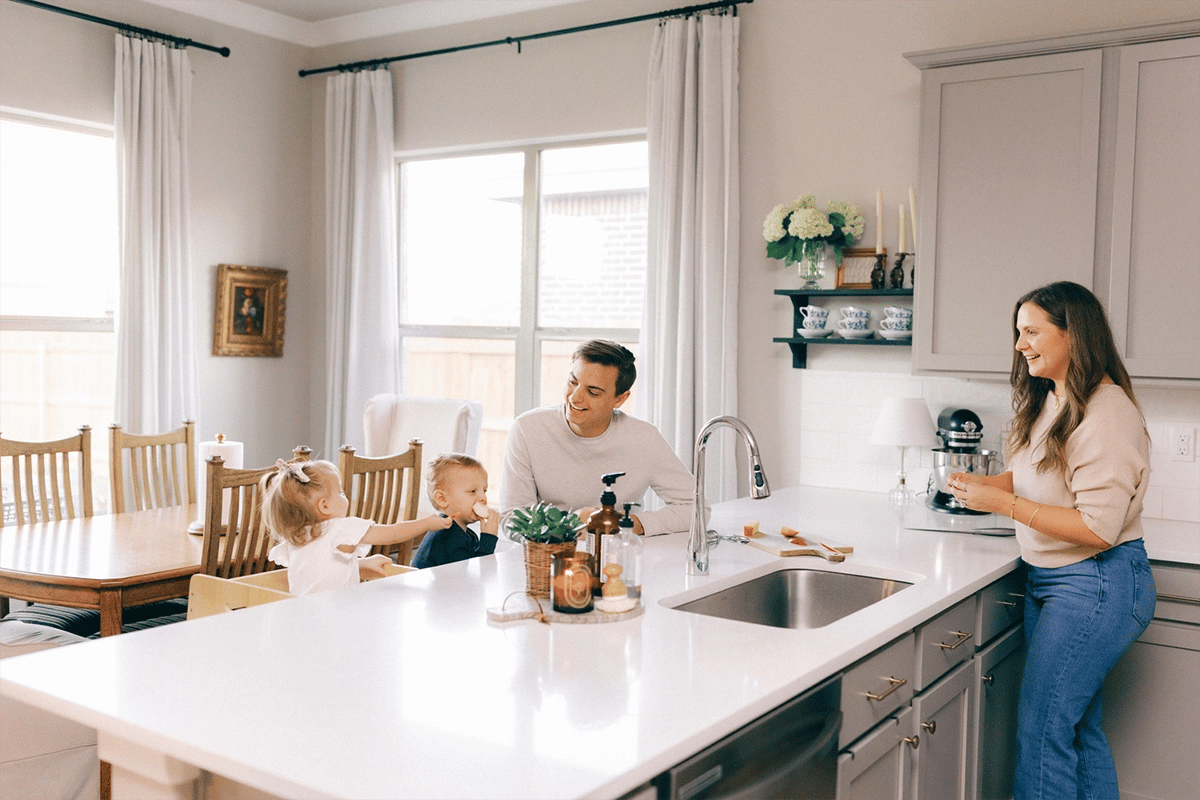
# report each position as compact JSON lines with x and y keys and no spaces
{"x":305,"y":508}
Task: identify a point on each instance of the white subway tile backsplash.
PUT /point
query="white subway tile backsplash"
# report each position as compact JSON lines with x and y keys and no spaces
{"x":838,"y":411}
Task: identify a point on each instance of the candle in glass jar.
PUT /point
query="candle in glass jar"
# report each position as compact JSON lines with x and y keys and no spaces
{"x":902,"y":242}
{"x":878,"y":221}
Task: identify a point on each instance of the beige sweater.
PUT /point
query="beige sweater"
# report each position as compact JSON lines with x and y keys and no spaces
{"x":1108,"y":469}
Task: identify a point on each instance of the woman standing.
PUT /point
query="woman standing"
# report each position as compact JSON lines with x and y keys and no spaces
{"x":1079,"y":458}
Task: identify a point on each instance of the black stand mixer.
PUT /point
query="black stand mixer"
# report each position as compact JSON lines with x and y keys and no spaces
{"x":961,"y":431}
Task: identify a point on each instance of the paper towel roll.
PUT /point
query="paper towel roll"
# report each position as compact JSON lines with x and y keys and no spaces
{"x":231,"y":454}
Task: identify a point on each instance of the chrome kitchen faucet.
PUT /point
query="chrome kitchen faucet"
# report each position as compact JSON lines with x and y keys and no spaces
{"x":698,"y":539}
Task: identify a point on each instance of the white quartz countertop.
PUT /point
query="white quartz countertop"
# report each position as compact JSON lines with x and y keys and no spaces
{"x":401,"y":688}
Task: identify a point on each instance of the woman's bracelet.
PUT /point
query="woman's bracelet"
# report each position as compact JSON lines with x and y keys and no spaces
{"x":1031,"y":516}
{"x":1012,"y":512}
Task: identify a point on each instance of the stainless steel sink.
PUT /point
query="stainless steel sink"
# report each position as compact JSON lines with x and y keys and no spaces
{"x":795,"y":598}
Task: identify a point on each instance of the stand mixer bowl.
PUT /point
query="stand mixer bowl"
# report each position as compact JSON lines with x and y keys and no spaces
{"x":946,"y":462}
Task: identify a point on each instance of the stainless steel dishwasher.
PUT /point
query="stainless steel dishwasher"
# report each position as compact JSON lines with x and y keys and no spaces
{"x":790,"y":752}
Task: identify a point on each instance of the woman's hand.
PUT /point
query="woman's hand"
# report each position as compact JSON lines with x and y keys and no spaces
{"x":978,"y":494}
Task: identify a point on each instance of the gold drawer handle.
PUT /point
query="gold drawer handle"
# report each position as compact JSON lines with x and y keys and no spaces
{"x":1006,"y":603}
{"x":913,"y":741}
{"x":962,"y":637}
{"x":896,"y":684}
{"x":930,"y":726}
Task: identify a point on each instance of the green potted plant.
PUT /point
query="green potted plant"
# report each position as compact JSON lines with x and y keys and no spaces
{"x":546,"y":531}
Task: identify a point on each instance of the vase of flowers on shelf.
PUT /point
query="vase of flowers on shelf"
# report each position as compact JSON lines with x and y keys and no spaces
{"x":546,"y":532}
{"x":799,"y":232}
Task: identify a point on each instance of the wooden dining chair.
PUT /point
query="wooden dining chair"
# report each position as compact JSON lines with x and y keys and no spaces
{"x":161,"y":468}
{"x":385,"y":489}
{"x":236,"y":541}
{"x":42,"y":486}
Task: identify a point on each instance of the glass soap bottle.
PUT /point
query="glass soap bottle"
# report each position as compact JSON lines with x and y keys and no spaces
{"x":622,"y":570}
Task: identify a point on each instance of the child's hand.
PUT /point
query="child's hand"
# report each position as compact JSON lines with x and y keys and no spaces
{"x":372,"y":567}
{"x":490,"y":523}
{"x":436,"y":522}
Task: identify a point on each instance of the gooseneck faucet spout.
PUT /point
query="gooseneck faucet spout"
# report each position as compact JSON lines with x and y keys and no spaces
{"x":698,"y":540}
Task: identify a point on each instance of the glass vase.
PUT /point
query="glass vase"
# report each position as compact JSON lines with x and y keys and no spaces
{"x":812,"y":267}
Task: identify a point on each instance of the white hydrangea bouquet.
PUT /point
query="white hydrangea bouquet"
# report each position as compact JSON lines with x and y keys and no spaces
{"x":799,"y":231}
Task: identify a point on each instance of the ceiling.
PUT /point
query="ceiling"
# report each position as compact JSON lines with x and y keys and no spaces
{"x":317,"y":23}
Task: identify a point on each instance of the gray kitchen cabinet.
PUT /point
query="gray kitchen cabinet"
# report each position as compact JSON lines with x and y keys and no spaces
{"x":1154,"y":288}
{"x":1151,"y":707}
{"x":1072,"y":158}
{"x":944,"y":730}
{"x":878,"y":766}
{"x":996,"y":672}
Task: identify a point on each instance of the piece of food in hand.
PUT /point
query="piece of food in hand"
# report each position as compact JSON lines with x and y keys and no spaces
{"x":481,"y":510}
{"x":792,"y":535}
{"x":750,"y":530}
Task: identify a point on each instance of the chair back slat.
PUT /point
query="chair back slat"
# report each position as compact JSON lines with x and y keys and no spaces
{"x":51,"y":481}
{"x":384,"y":489}
{"x":236,"y":542}
{"x":152,"y":470}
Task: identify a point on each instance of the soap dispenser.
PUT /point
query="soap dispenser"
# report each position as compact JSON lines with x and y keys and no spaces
{"x":603,"y":525}
{"x":622,"y":570}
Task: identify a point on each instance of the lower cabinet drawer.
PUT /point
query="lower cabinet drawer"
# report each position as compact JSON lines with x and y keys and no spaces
{"x":875,"y":687}
{"x":945,"y":641}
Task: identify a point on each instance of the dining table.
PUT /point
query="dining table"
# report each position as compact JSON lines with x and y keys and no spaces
{"x":108,"y":562}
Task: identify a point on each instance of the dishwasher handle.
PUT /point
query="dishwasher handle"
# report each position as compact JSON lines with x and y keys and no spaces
{"x":823,"y":744}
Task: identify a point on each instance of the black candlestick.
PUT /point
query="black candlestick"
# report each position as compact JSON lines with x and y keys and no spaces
{"x":898,"y":271}
{"x":877,"y":273}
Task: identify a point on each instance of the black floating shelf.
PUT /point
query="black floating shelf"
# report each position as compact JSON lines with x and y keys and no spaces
{"x":800,"y":298}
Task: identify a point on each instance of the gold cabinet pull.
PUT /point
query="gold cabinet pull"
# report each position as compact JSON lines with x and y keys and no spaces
{"x":988,"y":679}
{"x":962,"y":637}
{"x":930,"y":726}
{"x":913,"y":741}
{"x":1006,"y":603}
{"x":896,"y":683}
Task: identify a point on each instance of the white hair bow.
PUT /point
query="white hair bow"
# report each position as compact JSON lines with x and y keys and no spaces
{"x":293,"y":468}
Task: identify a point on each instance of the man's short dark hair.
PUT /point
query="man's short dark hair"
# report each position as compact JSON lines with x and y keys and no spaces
{"x":610,"y":354}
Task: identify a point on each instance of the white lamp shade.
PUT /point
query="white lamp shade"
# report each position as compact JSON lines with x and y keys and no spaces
{"x":905,"y":422}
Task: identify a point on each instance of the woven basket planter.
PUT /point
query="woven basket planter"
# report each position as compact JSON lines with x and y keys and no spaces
{"x":538,"y":558}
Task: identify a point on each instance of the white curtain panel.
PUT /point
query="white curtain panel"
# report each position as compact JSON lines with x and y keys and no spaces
{"x":156,"y":386}
{"x":689,"y":334}
{"x":363,"y":315}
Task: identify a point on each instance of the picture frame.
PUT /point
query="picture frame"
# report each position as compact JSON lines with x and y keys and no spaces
{"x":856,"y":266}
{"x":250,"y":311}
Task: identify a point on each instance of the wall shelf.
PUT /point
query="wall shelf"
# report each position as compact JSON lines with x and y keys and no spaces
{"x":801,"y":298}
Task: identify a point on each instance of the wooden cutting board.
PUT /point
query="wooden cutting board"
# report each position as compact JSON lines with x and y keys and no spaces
{"x":823,"y":547}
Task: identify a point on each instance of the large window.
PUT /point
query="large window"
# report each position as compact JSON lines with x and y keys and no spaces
{"x":510,"y":259}
{"x":58,"y":283}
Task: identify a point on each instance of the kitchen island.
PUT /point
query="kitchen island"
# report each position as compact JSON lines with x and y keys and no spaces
{"x":402,"y":688}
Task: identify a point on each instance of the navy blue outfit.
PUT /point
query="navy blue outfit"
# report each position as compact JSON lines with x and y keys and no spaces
{"x":455,"y":543}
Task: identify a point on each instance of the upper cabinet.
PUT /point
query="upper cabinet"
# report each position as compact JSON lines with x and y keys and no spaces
{"x":1075,"y":158}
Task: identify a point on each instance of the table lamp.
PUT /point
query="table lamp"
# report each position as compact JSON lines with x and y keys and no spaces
{"x":904,"y":422}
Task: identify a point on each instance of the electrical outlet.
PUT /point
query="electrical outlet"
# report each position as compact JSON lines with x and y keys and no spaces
{"x":1181,"y":440}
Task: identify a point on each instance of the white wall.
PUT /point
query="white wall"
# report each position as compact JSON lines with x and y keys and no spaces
{"x":250,"y":155}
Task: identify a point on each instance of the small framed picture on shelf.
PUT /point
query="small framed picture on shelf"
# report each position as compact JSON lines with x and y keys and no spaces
{"x":855,"y":271}
{"x":250,"y":311}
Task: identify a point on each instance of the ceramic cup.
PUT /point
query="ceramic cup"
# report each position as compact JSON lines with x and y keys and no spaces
{"x":814,"y":312}
{"x":813,"y":323}
{"x":898,"y":312}
{"x":896,"y":324}
{"x":853,"y":312}
{"x":852,"y":324}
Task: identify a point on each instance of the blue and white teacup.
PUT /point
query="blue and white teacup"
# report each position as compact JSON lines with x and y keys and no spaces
{"x":854,"y":312}
{"x":896,"y":324}
{"x":899,"y":312}
{"x":852,"y":323}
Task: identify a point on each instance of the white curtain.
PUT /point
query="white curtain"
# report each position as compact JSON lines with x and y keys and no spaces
{"x":157,"y":387}
{"x":363,"y":338}
{"x":689,"y":334}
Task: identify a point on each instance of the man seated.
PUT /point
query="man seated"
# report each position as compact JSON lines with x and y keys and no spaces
{"x":557,"y":454}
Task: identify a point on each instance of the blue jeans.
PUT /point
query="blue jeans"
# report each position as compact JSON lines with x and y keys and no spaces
{"x":1079,"y":619}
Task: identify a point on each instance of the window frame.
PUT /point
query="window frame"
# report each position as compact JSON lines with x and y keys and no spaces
{"x":526,"y":336}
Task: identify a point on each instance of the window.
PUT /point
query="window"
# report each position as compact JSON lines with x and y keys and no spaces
{"x":58,"y":282}
{"x":508,"y":260}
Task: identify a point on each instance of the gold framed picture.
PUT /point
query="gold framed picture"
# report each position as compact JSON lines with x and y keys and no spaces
{"x":855,"y":271}
{"x":250,"y":311}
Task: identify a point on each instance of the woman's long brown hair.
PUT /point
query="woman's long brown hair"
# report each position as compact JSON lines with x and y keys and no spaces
{"x":1093,"y":355}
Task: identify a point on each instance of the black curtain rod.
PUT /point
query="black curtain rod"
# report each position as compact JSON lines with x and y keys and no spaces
{"x":675,"y":12}
{"x":127,"y":28}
